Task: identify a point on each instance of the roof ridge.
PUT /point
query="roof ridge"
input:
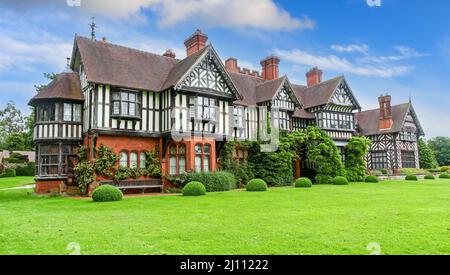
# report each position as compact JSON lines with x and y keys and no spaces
{"x":130,"y":48}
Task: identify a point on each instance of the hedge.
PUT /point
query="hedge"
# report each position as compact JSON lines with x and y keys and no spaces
{"x":194,"y":188}
{"x":371,"y":178}
{"x":303,"y":183}
{"x":26,"y":170}
{"x":256,"y":185}
{"x":411,"y":177}
{"x":214,"y":182}
{"x":340,"y":181}
{"x":8,"y":173}
{"x":444,"y":176}
{"x":106,"y":193}
{"x":429,"y":177}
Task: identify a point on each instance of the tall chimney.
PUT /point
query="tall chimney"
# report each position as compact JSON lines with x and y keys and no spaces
{"x":270,"y":67}
{"x":314,"y":77}
{"x":195,"y":42}
{"x":386,"y":120}
{"x":169,"y":53}
{"x":231,"y":65}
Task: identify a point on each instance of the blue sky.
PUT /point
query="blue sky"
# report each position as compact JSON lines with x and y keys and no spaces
{"x":400,"y":47}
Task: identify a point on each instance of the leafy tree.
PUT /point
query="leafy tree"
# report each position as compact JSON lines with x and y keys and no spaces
{"x":11,"y":122}
{"x":15,"y":142}
{"x":427,"y":158}
{"x":355,"y":163}
{"x":441,"y":148}
{"x":49,"y":76}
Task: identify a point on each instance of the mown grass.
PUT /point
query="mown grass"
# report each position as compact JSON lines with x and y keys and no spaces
{"x":15,"y":181}
{"x":403,"y":217}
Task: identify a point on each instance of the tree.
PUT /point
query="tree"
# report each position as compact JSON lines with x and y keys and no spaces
{"x":50,"y":76}
{"x":11,"y":122}
{"x":441,"y":148}
{"x":355,"y":162}
{"x":15,"y":142}
{"x":427,"y":158}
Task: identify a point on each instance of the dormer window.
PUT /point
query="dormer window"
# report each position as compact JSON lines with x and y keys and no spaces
{"x":126,"y":103}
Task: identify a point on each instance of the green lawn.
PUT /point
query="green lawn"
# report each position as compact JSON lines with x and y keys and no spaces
{"x":15,"y":181}
{"x":403,"y":217}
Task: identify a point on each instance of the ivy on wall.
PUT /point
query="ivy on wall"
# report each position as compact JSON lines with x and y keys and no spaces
{"x":105,"y":165}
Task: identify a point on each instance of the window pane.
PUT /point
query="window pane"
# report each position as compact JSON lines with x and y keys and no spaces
{"x":124,"y":108}
{"x":198,"y":149}
{"x":132,"y":109}
{"x":173,"y":165}
{"x":181,"y":149}
{"x":206,"y":164}
{"x":132,"y":97}
{"x":198,"y":164}
{"x":123,"y":159}
{"x":133,"y":160}
{"x":124,"y":96}
{"x":173,"y":150}
{"x":182,"y":164}
{"x":207,"y":149}
{"x":116,"y":96}
{"x":142,"y":160}
{"x":67,"y":112}
{"x":116,"y":108}
{"x":77,"y":112}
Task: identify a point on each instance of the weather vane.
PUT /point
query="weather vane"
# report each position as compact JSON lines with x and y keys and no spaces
{"x":93,"y":27}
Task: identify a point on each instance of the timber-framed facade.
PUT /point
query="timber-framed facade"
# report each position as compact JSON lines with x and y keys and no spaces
{"x":134,"y":102}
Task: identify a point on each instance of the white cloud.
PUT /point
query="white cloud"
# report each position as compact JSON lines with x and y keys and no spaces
{"x":342,"y":65}
{"x":261,"y":14}
{"x":403,"y":53}
{"x":26,"y":55}
{"x":361,"y":48}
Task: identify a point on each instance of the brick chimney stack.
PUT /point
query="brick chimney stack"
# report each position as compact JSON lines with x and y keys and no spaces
{"x":195,"y":42}
{"x":314,"y":77}
{"x":231,"y":65}
{"x":270,"y":67}
{"x":169,"y":53}
{"x":386,"y":120}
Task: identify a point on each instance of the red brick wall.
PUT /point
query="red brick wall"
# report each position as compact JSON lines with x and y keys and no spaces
{"x":49,"y":186}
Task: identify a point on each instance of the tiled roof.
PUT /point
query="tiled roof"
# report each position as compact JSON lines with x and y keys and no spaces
{"x":65,"y":86}
{"x":318,"y":94}
{"x":368,"y":121}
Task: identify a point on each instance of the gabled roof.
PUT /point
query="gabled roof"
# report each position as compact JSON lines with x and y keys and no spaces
{"x":368,"y":121}
{"x":106,"y":63}
{"x":317,"y":95}
{"x":302,"y":113}
{"x":66,"y":85}
{"x":246,"y":85}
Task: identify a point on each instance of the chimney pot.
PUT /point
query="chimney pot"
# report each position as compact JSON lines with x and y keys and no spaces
{"x":314,"y":77}
{"x":169,"y":53}
{"x":270,"y":67}
{"x":195,"y":42}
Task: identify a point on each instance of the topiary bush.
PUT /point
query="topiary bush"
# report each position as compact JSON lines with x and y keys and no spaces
{"x":106,"y":193}
{"x":444,"y":176}
{"x":256,"y":185}
{"x":340,"y":181}
{"x":371,"y":178}
{"x":411,"y":177}
{"x":8,"y":173}
{"x":429,"y":177}
{"x":303,"y":183}
{"x":194,"y":188}
{"x":444,"y":169}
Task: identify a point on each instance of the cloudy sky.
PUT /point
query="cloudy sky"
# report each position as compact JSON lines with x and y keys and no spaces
{"x":400,"y":47}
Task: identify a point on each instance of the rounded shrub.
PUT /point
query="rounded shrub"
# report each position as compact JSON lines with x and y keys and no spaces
{"x":194,"y":188}
{"x":340,"y":181}
{"x":444,"y":168}
{"x":8,"y":173}
{"x":411,"y":177}
{"x":256,"y":185}
{"x":303,"y":183}
{"x":106,"y":193}
{"x":444,"y":176}
{"x":429,"y":177}
{"x":371,"y":178}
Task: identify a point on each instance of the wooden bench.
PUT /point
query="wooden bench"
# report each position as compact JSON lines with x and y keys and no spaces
{"x":134,"y":184}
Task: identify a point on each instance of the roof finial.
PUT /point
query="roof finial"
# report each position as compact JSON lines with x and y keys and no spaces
{"x":410,"y":99}
{"x":93,"y":27}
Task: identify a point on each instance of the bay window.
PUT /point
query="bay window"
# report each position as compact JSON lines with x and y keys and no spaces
{"x":126,"y":103}
{"x":379,"y":160}
{"x":47,"y":112}
{"x":202,"y":108}
{"x":282,"y":118}
{"x":335,"y":121}
{"x":56,"y":160}
{"x":202,"y":159}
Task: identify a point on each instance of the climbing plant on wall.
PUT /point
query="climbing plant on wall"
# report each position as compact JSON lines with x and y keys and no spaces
{"x":355,"y":162}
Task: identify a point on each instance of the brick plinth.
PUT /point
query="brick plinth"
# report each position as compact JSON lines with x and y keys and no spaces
{"x":49,"y":186}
